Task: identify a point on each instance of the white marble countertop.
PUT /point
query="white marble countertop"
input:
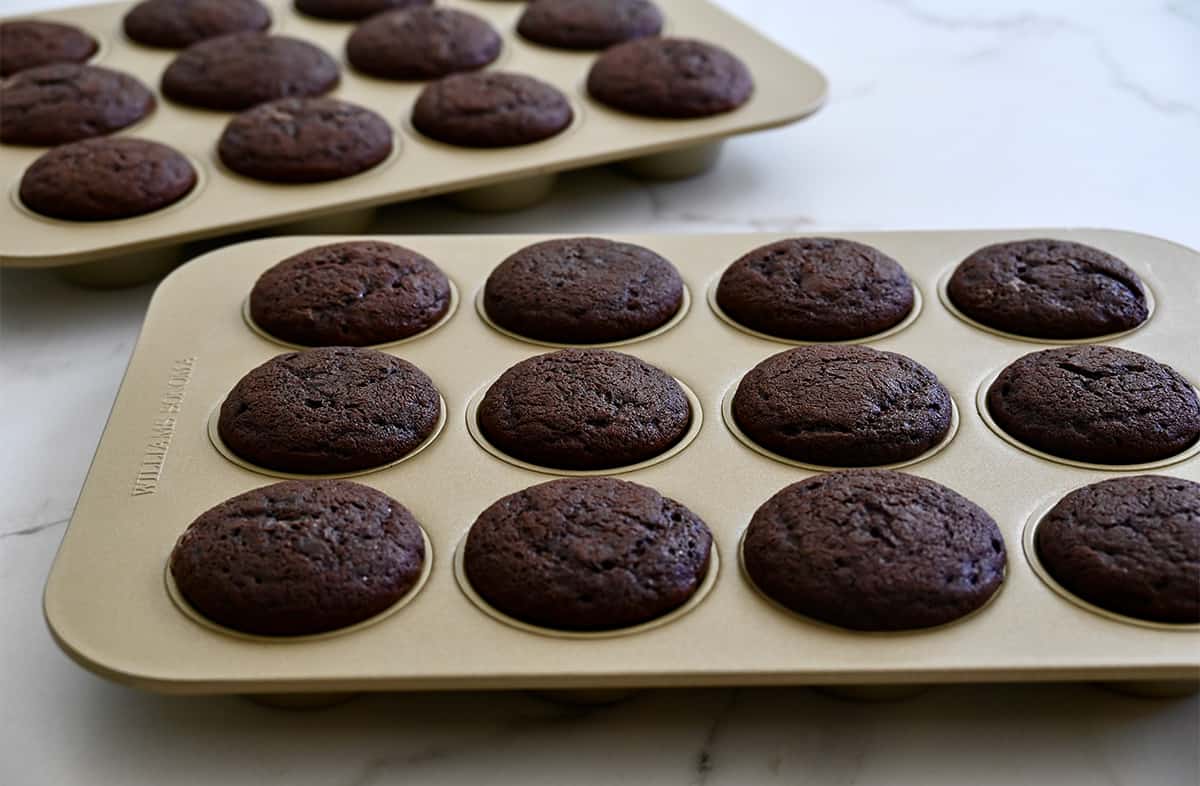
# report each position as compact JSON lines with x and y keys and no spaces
{"x":943,"y":114}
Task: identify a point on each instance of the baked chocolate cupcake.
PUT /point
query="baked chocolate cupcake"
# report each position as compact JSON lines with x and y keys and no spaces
{"x":1096,"y":403}
{"x":174,"y":24}
{"x":491,"y":109}
{"x":842,"y":406}
{"x":816,"y":289}
{"x":28,"y":43}
{"x":874,"y":550}
{"x":299,"y":558}
{"x":588,"y":24}
{"x":583,"y":290}
{"x":670,"y":77}
{"x":587,"y":554}
{"x":64,"y":102}
{"x":1128,"y":545}
{"x":329,"y":410}
{"x":584,"y":409}
{"x":1048,"y":289}
{"x":351,"y":10}
{"x":105,"y":179}
{"x":350,"y":294}
{"x":422,"y":43}
{"x":237,"y":71}
{"x":304,"y":140}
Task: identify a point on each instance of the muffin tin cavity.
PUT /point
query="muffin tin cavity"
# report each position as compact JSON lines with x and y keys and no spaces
{"x":787,"y":90}
{"x":159,"y":462}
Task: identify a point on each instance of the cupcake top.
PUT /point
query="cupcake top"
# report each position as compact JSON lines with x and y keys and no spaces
{"x":65,"y":102}
{"x":106,"y":178}
{"x":351,"y":10}
{"x":842,"y":406}
{"x":670,"y":77}
{"x":1048,"y":289}
{"x":587,"y":554}
{"x":874,"y":550}
{"x":174,"y":24}
{"x":584,"y":409}
{"x":299,"y":557}
{"x":329,"y":410}
{"x":1130,"y":545}
{"x":491,"y":109}
{"x":583,"y":291}
{"x":422,"y":43}
{"x":237,"y":71}
{"x":355,"y":293}
{"x":588,"y":24}
{"x":28,"y":43}
{"x":816,"y":289}
{"x":1097,"y":404}
{"x":304,"y":140}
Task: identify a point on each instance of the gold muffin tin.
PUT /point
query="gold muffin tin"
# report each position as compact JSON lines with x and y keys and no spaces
{"x":787,"y":89}
{"x":156,"y":470}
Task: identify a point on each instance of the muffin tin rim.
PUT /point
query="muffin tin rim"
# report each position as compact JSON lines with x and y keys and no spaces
{"x":1029,"y":549}
{"x":695,"y":425}
{"x":261,"y":332}
{"x":981,"y":407}
{"x":218,"y":444}
{"x":943,"y":290}
{"x":681,"y":313}
{"x":744,"y":438}
{"x":192,"y":613}
{"x":481,"y":604}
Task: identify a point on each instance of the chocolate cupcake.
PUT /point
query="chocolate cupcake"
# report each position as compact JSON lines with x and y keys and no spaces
{"x":1048,"y":289}
{"x":816,"y":289}
{"x":422,"y":43}
{"x":329,"y":410}
{"x":237,"y":71}
{"x":587,"y":554}
{"x":350,"y":294}
{"x":874,"y":550}
{"x":299,"y":558}
{"x":174,"y":24}
{"x":584,"y":409}
{"x":28,"y":43}
{"x":105,"y":179}
{"x":1128,"y":545}
{"x":351,"y":10}
{"x":670,"y":78}
{"x":491,"y":109}
{"x":64,"y":102}
{"x":588,"y":24}
{"x":304,"y":140}
{"x":1097,"y":404}
{"x":842,"y":406}
{"x":583,"y":290}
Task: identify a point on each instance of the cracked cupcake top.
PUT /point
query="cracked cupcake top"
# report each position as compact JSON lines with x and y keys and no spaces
{"x":65,"y":102}
{"x":1048,"y":289}
{"x":584,"y":409}
{"x":842,"y":406}
{"x":875,"y":550}
{"x":491,"y":109}
{"x":1096,"y":403}
{"x":299,"y":557}
{"x":422,"y":43}
{"x":351,"y":294}
{"x":305,"y":140}
{"x":329,"y":410}
{"x":587,"y":554}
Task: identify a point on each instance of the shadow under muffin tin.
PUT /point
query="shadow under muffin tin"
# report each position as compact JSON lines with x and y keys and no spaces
{"x":787,"y":89}
{"x":732,"y":635}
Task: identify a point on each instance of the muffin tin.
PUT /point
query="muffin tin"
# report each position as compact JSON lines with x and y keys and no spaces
{"x":156,"y":470}
{"x":787,"y":89}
